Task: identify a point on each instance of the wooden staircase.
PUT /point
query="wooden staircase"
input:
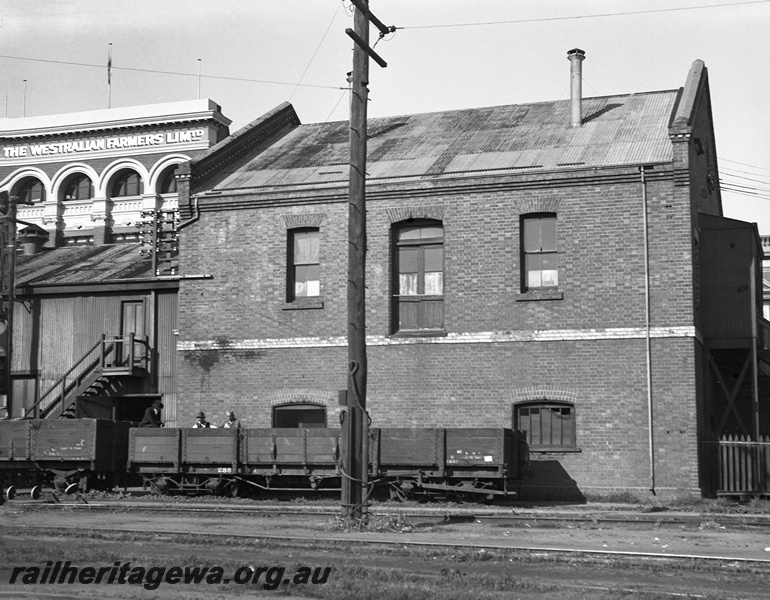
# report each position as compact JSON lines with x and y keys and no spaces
{"x":93,"y":375}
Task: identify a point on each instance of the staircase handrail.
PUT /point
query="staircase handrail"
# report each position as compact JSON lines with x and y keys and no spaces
{"x":61,"y":383}
{"x":128,"y":342}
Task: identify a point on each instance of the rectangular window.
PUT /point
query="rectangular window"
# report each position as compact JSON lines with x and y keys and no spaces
{"x":548,"y":426}
{"x":304,"y":264}
{"x":539,"y":252}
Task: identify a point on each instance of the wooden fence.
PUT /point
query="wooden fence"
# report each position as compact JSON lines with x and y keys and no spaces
{"x":744,"y":466}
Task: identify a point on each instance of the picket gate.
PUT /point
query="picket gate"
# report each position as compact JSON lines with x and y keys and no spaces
{"x":744,"y":466}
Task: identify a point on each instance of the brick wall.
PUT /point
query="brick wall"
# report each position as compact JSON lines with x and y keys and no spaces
{"x":243,"y":347}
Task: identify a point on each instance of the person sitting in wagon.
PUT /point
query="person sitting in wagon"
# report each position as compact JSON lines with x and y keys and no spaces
{"x":152,"y":415}
{"x":202,"y":423}
{"x":231,"y":422}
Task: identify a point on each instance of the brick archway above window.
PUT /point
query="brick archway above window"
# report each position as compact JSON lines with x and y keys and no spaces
{"x":544,"y":393}
{"x":537,"y":205}
{"x":404,"y":213}
{"x":298,"y":221}
{"x":303,"y":396}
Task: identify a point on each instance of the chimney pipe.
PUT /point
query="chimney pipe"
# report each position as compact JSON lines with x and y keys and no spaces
{"x":576,"y":57}
{"x":33,"y":238}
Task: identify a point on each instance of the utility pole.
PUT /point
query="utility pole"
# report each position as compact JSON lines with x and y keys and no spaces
{"x":355,"y":431}
{"x":7,"y":283}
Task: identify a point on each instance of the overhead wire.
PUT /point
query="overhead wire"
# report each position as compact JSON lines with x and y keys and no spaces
{"x":318,"y":47}
{"x":594,"y":16}
{"x":179,"y":73}
{"x":745,"y":182}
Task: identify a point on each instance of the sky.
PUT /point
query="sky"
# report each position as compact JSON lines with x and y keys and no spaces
{"x":251,"y":55}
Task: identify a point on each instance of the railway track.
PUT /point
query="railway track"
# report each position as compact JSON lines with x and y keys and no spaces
{"x":472,"y":541}
{"x":447,"y":514}
{"x":541,"y":551}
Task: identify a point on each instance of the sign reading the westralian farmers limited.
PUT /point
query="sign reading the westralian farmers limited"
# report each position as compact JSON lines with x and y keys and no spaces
{"x":117,"y":142}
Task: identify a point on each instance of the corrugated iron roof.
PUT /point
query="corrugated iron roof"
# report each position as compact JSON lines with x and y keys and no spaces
{"x":83,"y":264}
{"x":616,"y":130}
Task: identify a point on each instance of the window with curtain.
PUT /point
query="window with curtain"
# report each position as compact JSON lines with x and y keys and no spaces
{"x":539,"y":252}
{"x":418,"y":301}
{"x":304,"y":264}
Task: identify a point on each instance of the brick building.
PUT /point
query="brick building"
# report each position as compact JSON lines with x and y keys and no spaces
{"x":541,"y":266}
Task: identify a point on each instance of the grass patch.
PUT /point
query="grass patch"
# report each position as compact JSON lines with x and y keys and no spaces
{"x":681,"y":503}
{"x":397,"y":523}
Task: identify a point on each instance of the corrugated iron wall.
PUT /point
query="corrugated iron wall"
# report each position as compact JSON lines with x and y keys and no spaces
{"x":51,"y":333}
{"x":166,"y":346}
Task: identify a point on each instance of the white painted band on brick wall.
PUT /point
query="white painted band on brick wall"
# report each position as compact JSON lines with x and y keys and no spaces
{"x":484,"y":337}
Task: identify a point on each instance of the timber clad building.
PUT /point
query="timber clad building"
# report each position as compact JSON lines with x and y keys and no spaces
{"x":570,"y":277}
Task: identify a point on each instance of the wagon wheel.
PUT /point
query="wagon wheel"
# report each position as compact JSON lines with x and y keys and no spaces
{"x":9,"y":493}
{"x":235,"y":488}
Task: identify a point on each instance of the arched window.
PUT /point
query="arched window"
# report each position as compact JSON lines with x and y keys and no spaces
{"x":548,"y":425}
{"x":418,"y":274}
{"x":168,"y":182}
{"x":30,"y":191}
{"x":78,"y":187}
{"x":299,"y":415}
{"x":127,"y":183}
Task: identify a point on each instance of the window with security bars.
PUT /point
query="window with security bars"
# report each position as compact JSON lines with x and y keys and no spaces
{"x":548,"y":426}
{"x":304,"y":277}
{"x":418,"y":301}
{"x":539,"y":252}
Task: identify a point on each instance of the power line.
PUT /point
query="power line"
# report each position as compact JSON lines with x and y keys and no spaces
{"x":735,"y":162}
{"x":728,"y":173}
{"x":600,"y":15}
{"x":334,"y":17}
{"x":158,"y":72}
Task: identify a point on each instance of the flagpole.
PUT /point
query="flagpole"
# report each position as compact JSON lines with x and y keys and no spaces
{"x":109,"y":76}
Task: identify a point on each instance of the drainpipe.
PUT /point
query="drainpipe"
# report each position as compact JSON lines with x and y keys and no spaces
{"x":651,"y":437}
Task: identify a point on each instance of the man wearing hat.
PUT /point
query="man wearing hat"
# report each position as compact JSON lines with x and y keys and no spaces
{"x":152,"y":415}
{"x":231,"y":422}
{"x":202,"y":423}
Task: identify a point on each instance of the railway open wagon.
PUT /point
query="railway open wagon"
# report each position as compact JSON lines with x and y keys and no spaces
{"x":292,"y":459}
{"x":184,"y":460}
{"x":82,"y":453}
{"x":481,"y":463}
{"x":232,"y":460}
